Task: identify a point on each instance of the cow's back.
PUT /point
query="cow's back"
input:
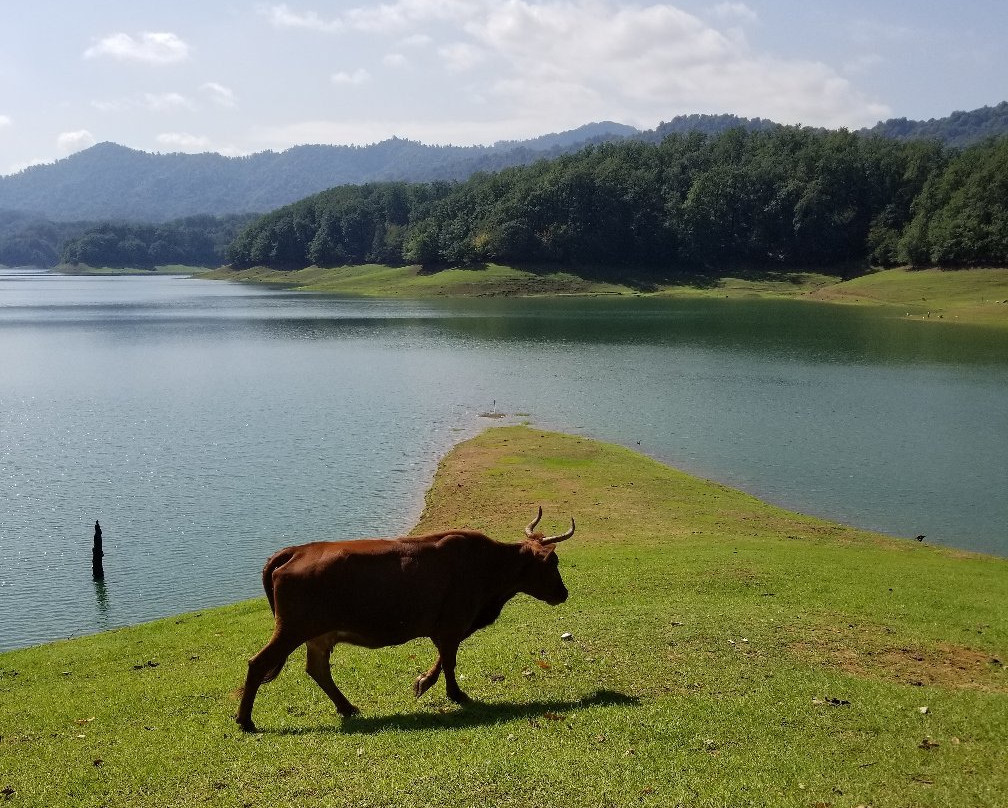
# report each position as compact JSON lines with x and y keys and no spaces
{"x":378,"y":592}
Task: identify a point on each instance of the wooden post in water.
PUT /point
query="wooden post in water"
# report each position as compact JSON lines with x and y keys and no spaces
{"x":97,"y":570}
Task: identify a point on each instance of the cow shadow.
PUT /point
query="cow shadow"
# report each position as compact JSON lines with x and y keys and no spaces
{"x":474,"y":714}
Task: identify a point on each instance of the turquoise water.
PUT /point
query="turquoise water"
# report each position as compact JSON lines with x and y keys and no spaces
{"x":207,"y":424}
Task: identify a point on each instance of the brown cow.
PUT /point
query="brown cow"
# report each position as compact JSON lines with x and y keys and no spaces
{"x":380,"y":592}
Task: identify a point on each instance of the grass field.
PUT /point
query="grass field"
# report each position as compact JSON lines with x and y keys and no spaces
{"x":725,"y":652}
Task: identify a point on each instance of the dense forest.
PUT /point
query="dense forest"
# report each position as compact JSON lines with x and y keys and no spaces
{"x":958,"y":129}
{"x":193,"y":241}
{"x":775,"y":197}
{"x":29,"y":240}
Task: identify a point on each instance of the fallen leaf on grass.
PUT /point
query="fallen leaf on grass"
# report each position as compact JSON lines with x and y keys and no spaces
{"x":80,"y":722}
{"x":553,"y":716}
{"x":834,"y":702}
{"x":8,"y":792}
{"x":927,"y":744}
{"x":542,"y":663}
{"x":496,"y":677}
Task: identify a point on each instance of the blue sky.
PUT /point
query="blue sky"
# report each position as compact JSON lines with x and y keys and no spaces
{"x":238,"y":77}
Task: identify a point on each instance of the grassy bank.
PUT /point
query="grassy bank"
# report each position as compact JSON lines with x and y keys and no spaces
{"x":970,"y":296}
{"x":382,"y":281}
{"x":165,"y":269}
{"x":724,"y":652}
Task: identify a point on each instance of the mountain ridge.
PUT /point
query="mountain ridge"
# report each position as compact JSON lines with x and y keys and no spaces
{"x":111,"y":181}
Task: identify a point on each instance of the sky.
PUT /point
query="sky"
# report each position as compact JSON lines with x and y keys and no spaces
{"x":243,"y":76}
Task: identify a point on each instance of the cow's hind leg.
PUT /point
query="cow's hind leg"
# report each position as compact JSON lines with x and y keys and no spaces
{"x":318,"y":668}
{"x":425,"y":680}
{"x":263,"y":667}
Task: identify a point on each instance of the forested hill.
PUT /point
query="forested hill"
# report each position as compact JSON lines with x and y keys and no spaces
{"x":783,"y":198}
{"x":958,"y":129}
{"x":109,"y":181}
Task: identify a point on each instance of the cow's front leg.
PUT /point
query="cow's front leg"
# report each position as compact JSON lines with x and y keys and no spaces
{"x":449,"y":650}
{"x":425,"y":680}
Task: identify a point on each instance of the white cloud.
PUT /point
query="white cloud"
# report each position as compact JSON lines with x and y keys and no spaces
{"x":183,"y":141}
{"x":69,"y":142}
{"x":379,"y":18}
{"x":219,"y":94}
{"x":395,"y":60}
{"x":283,"y":17}
{"x":563,"y":62}
{"x":417,"y":40}
{"x":359,"y":76}
{"x":5,"y":121}
{"x":110,"y":106}
{"x":460,"y":56}
{"x":154,"y":48}
{"x":735,"y":11}
{"x":590,"y":58}
{"x":166,"y":102}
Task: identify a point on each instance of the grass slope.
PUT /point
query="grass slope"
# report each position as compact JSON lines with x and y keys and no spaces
{"x":969,"y":295}
{"x":383,"y":281}
{"x":724,"y":652}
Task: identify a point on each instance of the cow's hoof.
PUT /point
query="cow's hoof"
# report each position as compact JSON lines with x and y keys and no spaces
{"x":247,"y":726}
{"x":348,"y":711}
{"x":460,"y":698}
{"x":420,"y":686}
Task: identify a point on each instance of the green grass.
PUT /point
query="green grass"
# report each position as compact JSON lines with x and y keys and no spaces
{"x":967,"y":295}
{"x":383,"y":281}
{"x":165,"y":269}
{"x":725,"y":652}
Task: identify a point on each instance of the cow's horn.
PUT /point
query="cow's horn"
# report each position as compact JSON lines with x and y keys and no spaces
{"x":533,"y":523}
{"x":555,"y":539}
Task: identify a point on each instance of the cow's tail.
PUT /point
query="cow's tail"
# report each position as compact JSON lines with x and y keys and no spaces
{"x":274,"y":563}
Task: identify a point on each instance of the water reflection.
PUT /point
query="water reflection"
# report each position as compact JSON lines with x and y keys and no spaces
{"x":101,"y":604}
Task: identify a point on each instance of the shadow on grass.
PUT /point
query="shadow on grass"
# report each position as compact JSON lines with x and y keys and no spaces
{"x":471,"y":715}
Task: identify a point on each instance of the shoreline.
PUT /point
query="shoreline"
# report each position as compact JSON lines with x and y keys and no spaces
{"x":967,"y":296}
{"x":939,"y":296}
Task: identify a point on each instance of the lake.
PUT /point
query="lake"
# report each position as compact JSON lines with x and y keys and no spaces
{"x":207,"y":424}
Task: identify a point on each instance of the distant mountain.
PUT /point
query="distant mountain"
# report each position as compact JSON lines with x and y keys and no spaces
{"x":109,"y":181}
{"x":958,"y":129}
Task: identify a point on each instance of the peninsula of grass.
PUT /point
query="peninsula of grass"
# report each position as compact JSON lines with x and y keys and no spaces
{"x":978,"y":296}
{"x":723,"y":652}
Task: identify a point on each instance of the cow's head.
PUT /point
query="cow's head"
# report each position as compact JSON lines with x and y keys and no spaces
{"x":541,"y":577}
